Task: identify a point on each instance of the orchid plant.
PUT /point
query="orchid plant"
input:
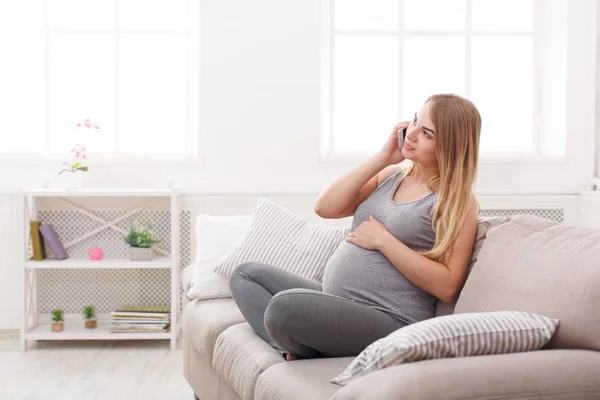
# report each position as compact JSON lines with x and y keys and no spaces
{"x":76,"y":164}
{"x":78,"y":154}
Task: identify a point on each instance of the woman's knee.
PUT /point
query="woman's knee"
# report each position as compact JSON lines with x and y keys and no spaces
{"x":284,"y":309}
{"x":245,"y":271}
{"x":250,"y":269}
{"x":238,"y":274}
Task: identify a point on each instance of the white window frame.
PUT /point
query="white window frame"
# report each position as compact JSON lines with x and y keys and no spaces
{"x":192,"y":154}
{"x":329,"y":155}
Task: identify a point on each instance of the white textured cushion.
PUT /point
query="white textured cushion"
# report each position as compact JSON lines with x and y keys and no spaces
{"x":215,"y":237}
{"x":209,"y":285}
{"x":458,"y":335}
{"x":278,"y":237}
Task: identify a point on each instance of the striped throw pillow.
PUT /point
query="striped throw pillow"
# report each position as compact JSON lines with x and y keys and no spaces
{"x":278,"y":237}
{"x":457,"y":335}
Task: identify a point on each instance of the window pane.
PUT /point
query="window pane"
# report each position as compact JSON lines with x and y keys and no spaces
{"x":366,"y":14}
{"x":505,"y":15}
{"x":21,"y":14}
{"x":502,"y":91}
{"x":431,"y":65}
{"x":151,"y":14}
{"x":365,"y":92}
{"x":82,"y":14}
{"x":434,"y":14}
{"x":152,"y":94}
{"x":82,"y":86}
{"x":22,"y":114}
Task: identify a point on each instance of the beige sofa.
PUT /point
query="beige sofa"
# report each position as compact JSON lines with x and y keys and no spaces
{"x":521,"y":262}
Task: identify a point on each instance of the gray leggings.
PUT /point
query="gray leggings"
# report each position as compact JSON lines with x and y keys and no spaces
{"x":294,"y":315}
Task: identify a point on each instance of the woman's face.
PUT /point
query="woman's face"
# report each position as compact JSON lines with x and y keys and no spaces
{"x":419,"y":144}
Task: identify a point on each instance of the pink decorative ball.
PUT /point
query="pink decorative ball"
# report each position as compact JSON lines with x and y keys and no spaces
{"x":95,"y":253}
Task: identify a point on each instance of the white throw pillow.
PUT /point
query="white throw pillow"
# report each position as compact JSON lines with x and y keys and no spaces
{"x":457,"y":335}
{"x":278,"y":237}
{"x":207,"y":285}
{"x":215,"y":237}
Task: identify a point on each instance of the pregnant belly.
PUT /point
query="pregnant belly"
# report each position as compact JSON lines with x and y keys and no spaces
{"x":359,"y":274}
{"x":368,"y":277}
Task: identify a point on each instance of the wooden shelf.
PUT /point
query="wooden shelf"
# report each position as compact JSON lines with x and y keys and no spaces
{"x":84,"y":263}
{"x":77,"y":331}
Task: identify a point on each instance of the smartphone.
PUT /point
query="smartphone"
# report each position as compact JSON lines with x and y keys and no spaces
{"x":401,"y":136}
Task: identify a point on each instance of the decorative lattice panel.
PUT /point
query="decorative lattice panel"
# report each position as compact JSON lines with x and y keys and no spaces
{"x":553,"y":214}
{"x":108,"y":289}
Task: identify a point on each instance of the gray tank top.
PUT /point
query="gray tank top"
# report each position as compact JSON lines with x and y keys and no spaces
{"x":367,"y":276}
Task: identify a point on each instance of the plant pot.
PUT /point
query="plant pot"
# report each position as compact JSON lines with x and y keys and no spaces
{"x":72,"y":180}
{"x":90,"y":324}
{"x":141,"y":253}
{"x":57,"y":326}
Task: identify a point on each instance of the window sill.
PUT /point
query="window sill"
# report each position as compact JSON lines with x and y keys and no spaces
{"x":108,"y":161}
{"x":341,"y":159}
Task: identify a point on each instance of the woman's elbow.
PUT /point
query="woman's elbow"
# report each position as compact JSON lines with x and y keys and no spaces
{"x":449,"y":294}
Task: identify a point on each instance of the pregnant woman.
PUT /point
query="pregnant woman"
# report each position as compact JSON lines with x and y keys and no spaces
{"x":413,"y":232}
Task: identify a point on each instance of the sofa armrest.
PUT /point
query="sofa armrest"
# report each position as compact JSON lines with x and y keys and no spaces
{"x":186,"y":281}
{"x":186,"y":277}
{"x":554,"y":374}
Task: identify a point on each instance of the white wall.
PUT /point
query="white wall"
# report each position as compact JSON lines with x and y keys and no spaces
{"x":260,"y":94}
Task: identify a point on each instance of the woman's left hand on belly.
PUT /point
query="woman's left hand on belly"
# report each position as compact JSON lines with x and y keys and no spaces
{"x":369,"y":234}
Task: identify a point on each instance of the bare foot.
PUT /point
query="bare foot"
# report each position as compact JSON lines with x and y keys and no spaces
{"x":290,"y":357}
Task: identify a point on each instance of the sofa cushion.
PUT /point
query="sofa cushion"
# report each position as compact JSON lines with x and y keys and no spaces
{"x":483,"y":226}
{"x":542,"y":374}
{"x":301,"y":379}
{"x":203,"y":321}
{"x":536,"y":265}
{"x":458,"y":335}
{"x":241,"y":356}
{"x":204,"y":380}
{"x":207,"y":284}
{"x":215,"y":237}
{"x":279,"y":237}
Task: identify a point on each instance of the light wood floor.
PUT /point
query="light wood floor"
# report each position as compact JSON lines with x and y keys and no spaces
{"x":117,"y":369}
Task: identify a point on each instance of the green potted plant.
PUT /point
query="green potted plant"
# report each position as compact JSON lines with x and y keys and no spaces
{"x":140,"y":243}
{"x":57,"y":320}
{"x":90,"y":317}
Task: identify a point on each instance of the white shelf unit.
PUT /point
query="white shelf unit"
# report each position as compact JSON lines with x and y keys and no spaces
{"x":35,"y":328}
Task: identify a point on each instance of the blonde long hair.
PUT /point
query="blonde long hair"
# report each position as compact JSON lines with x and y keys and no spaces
{"x":458,"y":127}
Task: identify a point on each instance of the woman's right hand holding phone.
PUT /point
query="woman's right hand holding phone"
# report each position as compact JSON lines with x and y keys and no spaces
{"x":391,"y":151}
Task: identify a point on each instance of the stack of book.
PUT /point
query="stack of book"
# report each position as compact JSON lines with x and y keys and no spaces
{"x":42,"y":235}
{"x":140,"y":319}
